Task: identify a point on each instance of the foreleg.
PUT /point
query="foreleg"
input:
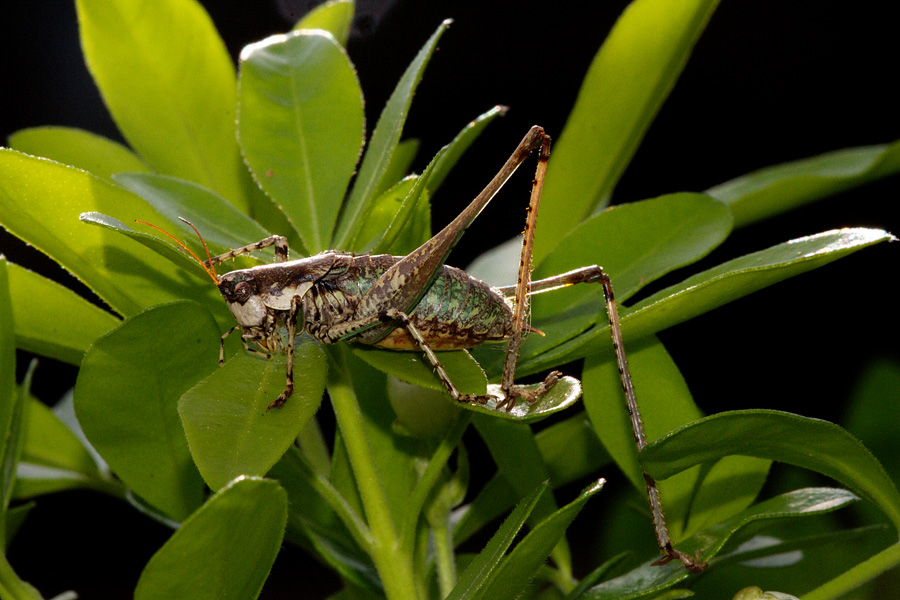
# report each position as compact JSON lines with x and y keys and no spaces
{"x":289,"y":367}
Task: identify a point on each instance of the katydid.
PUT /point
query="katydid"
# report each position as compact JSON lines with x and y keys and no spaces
{"x":416,"y":303}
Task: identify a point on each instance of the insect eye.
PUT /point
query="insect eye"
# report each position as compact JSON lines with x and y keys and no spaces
{"x":242,"y":291}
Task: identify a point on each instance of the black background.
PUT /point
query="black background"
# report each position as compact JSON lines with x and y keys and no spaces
{"x":768,"y":82}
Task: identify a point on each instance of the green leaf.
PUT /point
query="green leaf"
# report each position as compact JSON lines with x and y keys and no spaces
{"x":458,"y":146}
{"x":512,"y":445}
{"x":428,"y":182}
{"x":11,"y":402}
{"x":665,"y":403}
{"x":636,"y":244}
{"x":83,"y":149}
{"x":40,"y":202}
{"x":312,"y":517}
{"x":626,"y":84}
{"x":639,"y":242}
{"x":810,"y":443}
{"x":564,"y":393}
{"x":693,"y":498}
{"x":384,"y":208}
{"x":570,"y":452}
{"x":520,"y":566}
{"x":300,"y":126}
{"x":647,"y":579}
{"x":482,"y":571}
{"x":49,"y":442}
{"x":126,"y":395}
{"x":164,"y":249}
{"x":16,"y":516}
{"x":334,"y":16}
{"x":54,"y":457}
{"x":401,"y":162}
{"x":219,"y":222}
{"x":875,"y":396}
{"x":777,"y":189}
{"x":741,"y":276}
{"x":714,"y":287}
{"x":225,"y":416}
{"x":34,"y":298}
{"x":11,"y":428}
{"x":12,"y":587}
{"x":413,"y":367}
{"x":174,"y":102}
{"x":225,"y":550}
{"x":398,"y":460}
{"x":383,"y":144}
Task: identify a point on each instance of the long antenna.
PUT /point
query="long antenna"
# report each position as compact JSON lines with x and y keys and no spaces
{"x":211,"y":270}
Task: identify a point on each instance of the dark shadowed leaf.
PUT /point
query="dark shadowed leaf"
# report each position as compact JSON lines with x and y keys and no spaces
{"x":810,"y":443}
{"x":225,"y":550}
{"x":649,"y":580}
{"x":126,"y":401}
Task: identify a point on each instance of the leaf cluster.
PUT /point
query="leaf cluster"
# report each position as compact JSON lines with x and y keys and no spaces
{"x":386,"y":501}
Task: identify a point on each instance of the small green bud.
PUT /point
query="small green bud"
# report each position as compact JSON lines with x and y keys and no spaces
{"x":755,"y":593}
{"x":421,"y":412}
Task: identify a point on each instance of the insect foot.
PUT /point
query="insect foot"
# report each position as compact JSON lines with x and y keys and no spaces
{"x":529,"y":395}
{"x":692,"y":564}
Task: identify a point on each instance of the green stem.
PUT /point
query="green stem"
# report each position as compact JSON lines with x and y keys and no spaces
{"x":445,"y":560}
{"x":858,"y":575}
{"x":430,"y":477}
{"x":394,"y":567}
{"x":315,"y":450}
{"x":321,"y":484}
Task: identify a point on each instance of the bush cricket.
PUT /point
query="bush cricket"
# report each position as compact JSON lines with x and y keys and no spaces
{"x":416,"y":303}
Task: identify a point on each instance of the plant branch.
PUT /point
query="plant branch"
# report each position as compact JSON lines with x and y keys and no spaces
{"x":394,"y":567}
{"x":430,"y":477}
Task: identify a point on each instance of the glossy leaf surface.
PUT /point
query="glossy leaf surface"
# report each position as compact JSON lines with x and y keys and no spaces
{"x":173,"y":102}
{"x":520,"y":565}
{"x":779,"y":188}
{"x":635,"y":244}
{"x":83,"y":149}
{"x":300,"y":127}
{"x":218,"y":221}
{"x":482,"y":571}
{"x":334,"y":16}
{"x":717,"y":286}
{"x":413,"y":367}
{"x":11,"y":401}
{"x":225,"y":416}
{"x":41,"y":202}
{"x":383,"y":143}
{"x":615,"y":107}
{"x":34,"y":298}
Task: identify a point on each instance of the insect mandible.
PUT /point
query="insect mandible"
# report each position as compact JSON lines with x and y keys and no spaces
{"x":416,"y":303}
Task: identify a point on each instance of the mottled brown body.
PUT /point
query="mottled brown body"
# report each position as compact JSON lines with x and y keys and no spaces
{"x":456,"y":311}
